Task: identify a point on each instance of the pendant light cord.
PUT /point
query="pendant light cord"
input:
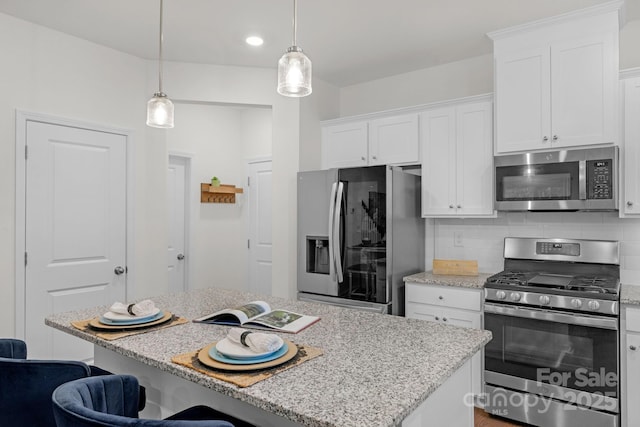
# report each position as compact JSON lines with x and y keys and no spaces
{"x":160,"y":52}
{"x":295,"y":21}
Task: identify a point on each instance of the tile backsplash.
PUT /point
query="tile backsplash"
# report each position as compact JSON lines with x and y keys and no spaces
{"x":483,"y":239}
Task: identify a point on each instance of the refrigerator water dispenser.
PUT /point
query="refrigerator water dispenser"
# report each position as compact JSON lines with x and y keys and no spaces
{"x":318,"y":254}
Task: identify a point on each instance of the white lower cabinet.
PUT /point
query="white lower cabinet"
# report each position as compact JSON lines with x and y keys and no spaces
{"x":630,"y":366}
{"x":452,"y":306}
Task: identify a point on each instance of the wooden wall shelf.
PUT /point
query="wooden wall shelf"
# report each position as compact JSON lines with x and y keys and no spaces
{"x":224,"y":193}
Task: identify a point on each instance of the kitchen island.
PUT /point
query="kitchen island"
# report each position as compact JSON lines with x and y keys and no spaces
{"x":376,"y":370}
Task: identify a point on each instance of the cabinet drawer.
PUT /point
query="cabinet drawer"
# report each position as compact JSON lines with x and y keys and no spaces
{"x":444,"y":296}
{"x":633,"y":319}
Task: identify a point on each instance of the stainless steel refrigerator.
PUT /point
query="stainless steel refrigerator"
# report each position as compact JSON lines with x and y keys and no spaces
{"x":359,"y":233}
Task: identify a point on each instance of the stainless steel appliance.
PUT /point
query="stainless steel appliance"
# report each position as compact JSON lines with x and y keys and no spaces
{"x":570,"y":180}
{"x":554,"y":315}
{"x":359,"y":233}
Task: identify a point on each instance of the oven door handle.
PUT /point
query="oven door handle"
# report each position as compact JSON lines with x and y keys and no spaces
{"x":551,"y":316}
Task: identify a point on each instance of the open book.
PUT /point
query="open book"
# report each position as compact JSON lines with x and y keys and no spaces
{"x":258,"y":315}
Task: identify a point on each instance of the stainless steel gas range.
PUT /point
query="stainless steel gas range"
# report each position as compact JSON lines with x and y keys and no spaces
{"x":554,"y":315}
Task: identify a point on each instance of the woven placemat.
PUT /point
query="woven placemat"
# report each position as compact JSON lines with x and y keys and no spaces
{"x":83,"y":325}
{"x":246,"y":379}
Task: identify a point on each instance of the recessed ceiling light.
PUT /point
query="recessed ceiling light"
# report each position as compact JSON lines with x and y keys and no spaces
{"x":254,"y":41}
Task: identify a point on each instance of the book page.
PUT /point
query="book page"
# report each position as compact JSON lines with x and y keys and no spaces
{"x":284,"y":320}
{"x":238,"y":315}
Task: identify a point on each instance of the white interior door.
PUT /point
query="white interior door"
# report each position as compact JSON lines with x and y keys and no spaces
{"x":260,"y":227}
{"x":177,"y":210}
{"x":75,"y":230}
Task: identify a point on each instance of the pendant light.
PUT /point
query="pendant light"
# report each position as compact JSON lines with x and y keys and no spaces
{"x":294,"y":68}
{"x":159,"y":107}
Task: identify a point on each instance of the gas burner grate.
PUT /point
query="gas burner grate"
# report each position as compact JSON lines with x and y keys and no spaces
{"x":515,"y":278}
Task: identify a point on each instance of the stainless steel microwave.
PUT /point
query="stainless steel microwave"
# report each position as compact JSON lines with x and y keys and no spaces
{"x":564,"y":180}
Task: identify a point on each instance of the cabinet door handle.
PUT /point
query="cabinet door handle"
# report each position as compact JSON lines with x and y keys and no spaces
{"x":459,"y":206}
{"x":629,"y":203}
{"x":545,"y":138}
{"x":440,"y":297}
{"x":450,"y":206}
{"x":633,"y":348}
{"x":444,"y":319}
{"x":363,"y":158}
{"x":437,"y":318}
{"x":555,"y":137}
{"x":375,"y":158}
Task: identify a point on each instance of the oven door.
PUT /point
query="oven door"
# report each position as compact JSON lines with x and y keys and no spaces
{"x":564,"y":356}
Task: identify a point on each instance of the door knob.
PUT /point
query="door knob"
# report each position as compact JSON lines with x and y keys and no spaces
{"x":118,"y":270}
{"x":180,"y":257}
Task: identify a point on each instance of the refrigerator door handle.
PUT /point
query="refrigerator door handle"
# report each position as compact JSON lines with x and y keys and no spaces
{"x":332,"y":207}
{"x":336,"y":230}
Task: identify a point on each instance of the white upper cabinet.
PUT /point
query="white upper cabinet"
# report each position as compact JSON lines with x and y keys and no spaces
{"x":556,"y":82}
{"x":394,"y":140}
{"x":630,"y":196}
{"x":457,"y":160}
{"x":345,"y":145}
{"x":379,"y":141}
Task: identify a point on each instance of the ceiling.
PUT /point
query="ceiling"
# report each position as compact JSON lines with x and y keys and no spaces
{"x":348,"y":41}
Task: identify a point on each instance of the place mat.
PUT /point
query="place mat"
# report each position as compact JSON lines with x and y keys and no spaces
{"x":246,"y":379}
{"x":83,"y":325}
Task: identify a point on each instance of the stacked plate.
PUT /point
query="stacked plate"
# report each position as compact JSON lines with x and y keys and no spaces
{"x":116,"y":321}
{"x":230,"y":356}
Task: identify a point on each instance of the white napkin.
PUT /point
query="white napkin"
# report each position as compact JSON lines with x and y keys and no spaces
{"x":256,"y":341}
{"x":141,"y":309}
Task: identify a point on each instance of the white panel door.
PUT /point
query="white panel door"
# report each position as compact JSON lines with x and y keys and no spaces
{"x":260,"y":216}
{"x":176,"y":223}
{"x":75,"y":230}
{"x":523,"y":100}
{"x":584,"y":85}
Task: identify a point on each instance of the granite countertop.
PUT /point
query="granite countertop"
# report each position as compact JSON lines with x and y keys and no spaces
{"x":630,"y":294}
{"x":376,"y":369}
{"x":428,"y":278}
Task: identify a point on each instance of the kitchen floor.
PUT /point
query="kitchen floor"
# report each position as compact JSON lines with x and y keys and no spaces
{"x":482,"y":419}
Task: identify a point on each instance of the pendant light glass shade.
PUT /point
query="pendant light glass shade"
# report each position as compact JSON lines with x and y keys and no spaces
{"x":294,"y":68}
{"x":160,"y":111}
{"x":294,"y":73}
{"x":159,"y":107}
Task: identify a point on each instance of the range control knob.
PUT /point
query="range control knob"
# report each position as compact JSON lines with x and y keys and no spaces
{"x":515,"y":296}
{"x":544,"y":300}
{"x":576,"y":303}
{"x":593,"y":305}
{"x":501,"y":294}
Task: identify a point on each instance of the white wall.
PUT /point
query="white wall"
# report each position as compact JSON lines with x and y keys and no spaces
{"x":322,"y":104}
{"x":219,"y":139}
{"x":472,"y":76}
{"x":483,"y":238}
{"x":49,"y":72}
{"x":253,"y":86}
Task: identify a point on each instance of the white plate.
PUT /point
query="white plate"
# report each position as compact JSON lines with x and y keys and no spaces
{"x":110,"y":315}
{"x":233,"y":350}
